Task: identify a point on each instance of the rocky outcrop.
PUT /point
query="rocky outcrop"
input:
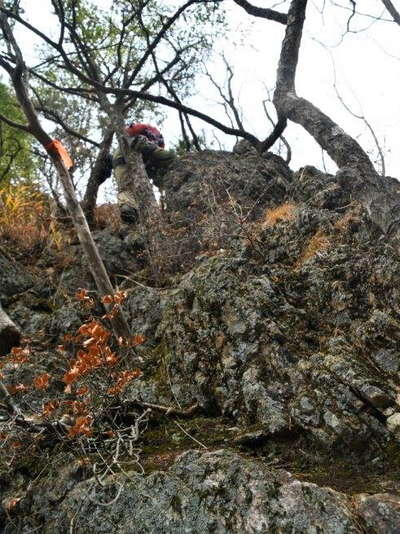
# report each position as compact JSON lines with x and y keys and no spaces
{"x":297,"y":331}
{"x":281,"y":321}
{"x":13,"y":277}
{"x":203,"y":493}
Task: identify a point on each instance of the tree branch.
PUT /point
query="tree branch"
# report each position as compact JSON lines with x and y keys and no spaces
{"x":262,"y":12}
{"x":14,"y":124}
{"x":392,"y":10}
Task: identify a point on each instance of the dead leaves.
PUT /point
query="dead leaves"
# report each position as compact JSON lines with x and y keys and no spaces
{"x":42,"y":381}
{"x":122,"y":379}
{"x":82,"y":426}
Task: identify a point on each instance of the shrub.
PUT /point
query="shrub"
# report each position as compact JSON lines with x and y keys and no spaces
{"x":317,"y":243}
{"x":284,"y":212}
{"x":25,"y":219}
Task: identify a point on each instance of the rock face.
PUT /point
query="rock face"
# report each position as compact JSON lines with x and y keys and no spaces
{"x":204,"y":493}
{"x":210,"y":195}
{"x":9,"y":334}
{"x":282,"y":322}
{"x":297,"y":331}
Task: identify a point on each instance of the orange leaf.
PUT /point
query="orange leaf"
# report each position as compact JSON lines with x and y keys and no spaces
{"x":81,"y":426}
{"x":119,"y":297}
{"x":82,"y":391}
{"x":19,"y":355}
{"x":14,"y":388}
{"x":49,"y":407}
{"x":112,"y":359}
{"x":82,"y":294}
{"x":42,"y":381}
{"x":138,"y":339}
{"x":107,"y":299}
{"x":71,"y":375}
{"x":122,"y":380}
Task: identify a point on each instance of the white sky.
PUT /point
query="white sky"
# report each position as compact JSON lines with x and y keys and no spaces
{"x":367,"y":67}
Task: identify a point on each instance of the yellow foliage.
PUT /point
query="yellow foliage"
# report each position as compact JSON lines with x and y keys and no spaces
{"x":25,"y":218}
{"x":317,"y":243}
{"x":284,"y":212}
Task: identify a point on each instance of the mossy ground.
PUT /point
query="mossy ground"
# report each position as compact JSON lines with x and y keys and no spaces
{"x":165,"y":440}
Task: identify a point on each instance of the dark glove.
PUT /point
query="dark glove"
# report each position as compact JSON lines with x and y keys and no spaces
{"x":106,"y":168}
{"x":141,"y":144}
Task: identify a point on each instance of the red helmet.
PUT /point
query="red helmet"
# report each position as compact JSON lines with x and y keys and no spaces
{"x":150,"y":132}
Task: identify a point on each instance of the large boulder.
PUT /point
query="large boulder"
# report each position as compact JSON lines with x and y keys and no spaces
{"x":298,"y":333}
{"x":201,"y":493}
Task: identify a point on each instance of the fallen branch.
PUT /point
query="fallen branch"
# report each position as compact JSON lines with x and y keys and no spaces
{"x":168,"y":410}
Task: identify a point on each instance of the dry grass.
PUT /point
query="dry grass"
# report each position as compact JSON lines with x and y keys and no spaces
{"x":317,"y":243}
{"x":107,"y":215}
{"x":348,"y":218}
{"x":25,"y":219}
{"x":284,"y":212}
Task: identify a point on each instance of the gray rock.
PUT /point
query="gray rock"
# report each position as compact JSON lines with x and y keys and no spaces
{"x":13,"y":277}
{"x":202,"y":493}
{"x":380,"y":512}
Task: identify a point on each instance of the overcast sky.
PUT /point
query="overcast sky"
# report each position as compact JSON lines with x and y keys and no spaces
{"x":367,"y":65}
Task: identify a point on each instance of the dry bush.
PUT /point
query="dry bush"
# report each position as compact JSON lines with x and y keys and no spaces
{"x":107,"y":215}
{"x":284,"y":212}
{"x":25,"y":219}
{"x":208,"y":226}
{"x":317,"y":243}
{"x":95,"y":368}
{"x":346,"y":220}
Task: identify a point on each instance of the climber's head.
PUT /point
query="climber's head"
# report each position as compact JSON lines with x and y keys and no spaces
{"x":135,"y":129}
{"x":150,"y":132}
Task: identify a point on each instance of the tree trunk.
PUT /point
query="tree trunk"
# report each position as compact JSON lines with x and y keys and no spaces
{"x":353,"y":163}
{"x":142,"y":189}
{"x":96,"y":178}
{"x":96,"y":265}
{"x":10,"y":335}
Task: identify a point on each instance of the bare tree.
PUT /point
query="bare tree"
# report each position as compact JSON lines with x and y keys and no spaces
{"x":19,"y":74}
{"x":114,"y":95}
{"x":351,"y":159}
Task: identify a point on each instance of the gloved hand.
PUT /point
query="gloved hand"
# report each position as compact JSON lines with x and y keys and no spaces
{"x":141,"y":144}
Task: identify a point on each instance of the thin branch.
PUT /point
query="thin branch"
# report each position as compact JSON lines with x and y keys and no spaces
{"x":13,"y":124}
{"x":365,"y":121}
{"x":101,"y":89}
{"x":152,"y":46}
{"x":262,"y":12}
{"x":52,"y":115}
{"x":283,"y":139}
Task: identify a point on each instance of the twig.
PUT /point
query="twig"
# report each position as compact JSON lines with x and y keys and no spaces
{"x":169,"y":410}
{"x":191,"y":437}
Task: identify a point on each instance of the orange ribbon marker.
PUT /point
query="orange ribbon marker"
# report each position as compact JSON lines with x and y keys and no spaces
{"x":57,"y":146}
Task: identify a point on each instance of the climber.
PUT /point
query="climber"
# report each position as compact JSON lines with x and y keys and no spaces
{"x":147,"y":140}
